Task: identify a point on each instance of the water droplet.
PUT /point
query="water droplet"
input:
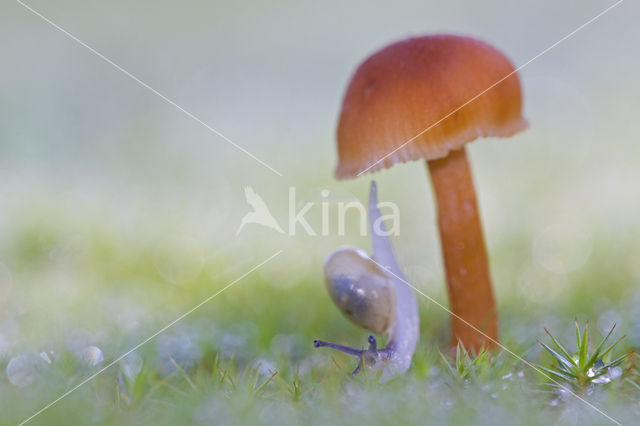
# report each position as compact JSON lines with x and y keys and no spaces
{"x":180,"y":347}
{"x":264,"y":367}
{"x":231,"y":342}
{"x":24,"y":370}
{"x":236,"y":340}
{"x":92,"y":355}
{"x":615,"y":372}
{"x":602,"y":379}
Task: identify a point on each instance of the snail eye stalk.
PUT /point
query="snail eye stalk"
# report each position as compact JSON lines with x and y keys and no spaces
{"x":357,"y":353}
{"x":369,"y":356}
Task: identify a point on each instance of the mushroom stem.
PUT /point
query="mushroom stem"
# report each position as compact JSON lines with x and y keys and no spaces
{"x":463,"y":249}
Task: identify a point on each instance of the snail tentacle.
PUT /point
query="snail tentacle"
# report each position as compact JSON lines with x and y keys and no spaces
{"x":383,"y":252}
{"x":367,"y":357}
{"x":357,"y":353}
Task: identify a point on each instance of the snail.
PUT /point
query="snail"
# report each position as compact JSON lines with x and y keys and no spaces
{"x":373,"y":293}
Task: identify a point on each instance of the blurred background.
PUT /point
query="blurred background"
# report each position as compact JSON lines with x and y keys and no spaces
{"x":118,"y":212}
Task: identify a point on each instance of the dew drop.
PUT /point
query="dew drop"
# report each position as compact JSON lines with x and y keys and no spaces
{"x":178,"y":348}
{"x":264,"y":367}
{"x":602,"y":379}
{"x":23,"y":370}
{"x":615,"y":372}
{"x":92,"y":355}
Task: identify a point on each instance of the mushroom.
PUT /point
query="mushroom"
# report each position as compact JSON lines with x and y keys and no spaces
{"x":425,"y":98}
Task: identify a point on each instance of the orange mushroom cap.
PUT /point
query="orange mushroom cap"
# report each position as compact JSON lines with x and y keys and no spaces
{"x":410,"y":86}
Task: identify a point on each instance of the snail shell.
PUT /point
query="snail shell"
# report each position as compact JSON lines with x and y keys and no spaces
{"x":363,"y":291}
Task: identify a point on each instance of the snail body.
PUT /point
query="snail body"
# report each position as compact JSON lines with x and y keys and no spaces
{"x":372,"y":292}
